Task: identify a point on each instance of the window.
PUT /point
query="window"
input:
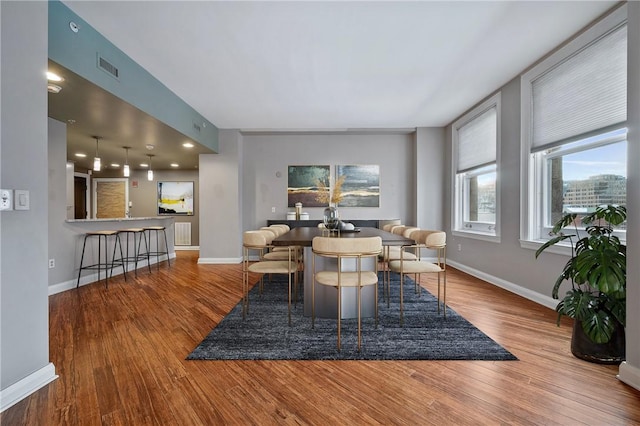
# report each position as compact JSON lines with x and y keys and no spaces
{"x":475,"y":143}
{"x":574,"y":140}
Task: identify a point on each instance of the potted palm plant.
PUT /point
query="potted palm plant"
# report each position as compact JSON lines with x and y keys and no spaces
{"x":597,"y":272}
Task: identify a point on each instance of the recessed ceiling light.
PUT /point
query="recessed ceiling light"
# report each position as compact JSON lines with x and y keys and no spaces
{"x":81,"y":155}
{"x":115,"y":165}
{"x":71,"y":121}
{"x":144,"y":165}
{"x":54,"y":77}
{"x":175,"y":165}
{"x":187,"y":145}
{"x":150,"y":146}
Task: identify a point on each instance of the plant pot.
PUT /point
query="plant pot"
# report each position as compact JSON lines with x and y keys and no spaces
{"x":612,"y":352}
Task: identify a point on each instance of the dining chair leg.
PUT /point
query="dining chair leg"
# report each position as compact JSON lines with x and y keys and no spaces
{"x":401,"y":299}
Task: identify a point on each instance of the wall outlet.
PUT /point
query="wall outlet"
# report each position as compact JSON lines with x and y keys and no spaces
{"x":52,"y":263}
{"x":459,"y":247}
{"x":273,"y":209}
{"x":6,"y":199}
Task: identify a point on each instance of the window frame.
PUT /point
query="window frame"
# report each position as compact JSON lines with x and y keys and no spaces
{"x":459,"y":226}
{"x":532,"y":174}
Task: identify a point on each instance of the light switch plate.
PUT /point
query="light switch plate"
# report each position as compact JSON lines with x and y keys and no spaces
{"x":21,"y":199}
{"x":6,"y":199}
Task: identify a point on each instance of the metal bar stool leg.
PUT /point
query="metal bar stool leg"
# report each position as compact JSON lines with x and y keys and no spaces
{"x":81,"y":260}
{"x":143,"y":237}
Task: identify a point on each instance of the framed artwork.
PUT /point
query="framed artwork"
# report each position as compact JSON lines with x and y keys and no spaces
{"x":175,"y":198}
{"x":306,"y":184}
{"x":361,"y":186}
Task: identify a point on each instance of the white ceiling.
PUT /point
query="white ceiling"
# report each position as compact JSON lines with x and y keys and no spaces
{"x":335,"y":65}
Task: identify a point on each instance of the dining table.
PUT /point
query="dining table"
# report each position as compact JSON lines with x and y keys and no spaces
{"x":326,"y":305}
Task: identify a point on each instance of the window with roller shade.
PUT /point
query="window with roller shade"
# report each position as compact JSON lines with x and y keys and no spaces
{"x":476,"y":139}
{"x":574,"y":128}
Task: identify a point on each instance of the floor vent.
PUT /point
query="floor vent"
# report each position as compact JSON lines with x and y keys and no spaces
{"x":108,"y":67}
{"x":182,"y":234}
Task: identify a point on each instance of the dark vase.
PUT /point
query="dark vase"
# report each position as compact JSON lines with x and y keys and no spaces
{"x":331,"y":218}
{"x":612,"y":352}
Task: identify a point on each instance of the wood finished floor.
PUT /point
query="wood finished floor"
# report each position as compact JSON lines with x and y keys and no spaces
{"x":120,"y":353}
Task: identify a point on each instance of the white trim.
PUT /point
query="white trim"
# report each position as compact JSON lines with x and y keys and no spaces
{"x":26,"y":386}
{"x":477,"y":235}
{"x":629,"y":374}
{"x":540,"y":299}
{"x":219,"y":260}
{"x":179,"y":248}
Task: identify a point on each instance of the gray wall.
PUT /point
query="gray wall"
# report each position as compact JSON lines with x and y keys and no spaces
{"x":630,"y":370}
{"x":265,"y":155}
{"x":220,"y":201}
{"x":430,"y":177}
{"x":24,"y":324}
{"x":504,"y":263}
{"x":508,"y":265}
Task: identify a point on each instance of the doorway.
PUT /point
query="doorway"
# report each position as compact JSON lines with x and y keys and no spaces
{"x":81,"y":196}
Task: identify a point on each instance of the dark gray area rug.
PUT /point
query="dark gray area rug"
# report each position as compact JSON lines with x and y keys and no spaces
{"x":426,"y":335}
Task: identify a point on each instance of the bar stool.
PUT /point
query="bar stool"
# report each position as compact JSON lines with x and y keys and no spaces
{"x":148,"y":230}
{"x":137,"y":255}
{"x":103,"y":236}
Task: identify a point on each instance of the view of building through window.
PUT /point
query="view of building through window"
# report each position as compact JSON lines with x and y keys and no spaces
{"x":580,"y":181}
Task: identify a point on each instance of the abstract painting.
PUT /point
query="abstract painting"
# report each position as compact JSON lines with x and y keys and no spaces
{"x":175,"y":198}
{"x":361,"y":187}
{"x":303,"y":185}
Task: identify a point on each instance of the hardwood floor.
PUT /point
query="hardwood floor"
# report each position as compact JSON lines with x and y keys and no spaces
{"x":120,"y":353}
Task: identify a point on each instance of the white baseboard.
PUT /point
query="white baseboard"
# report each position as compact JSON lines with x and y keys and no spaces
{"x":93,"y":277}
{"x":541,"y":299}
{"x":28,"y":385}
{"x":177,"y":248}
{"x":219,"y":260}
{"x":629,"y":374}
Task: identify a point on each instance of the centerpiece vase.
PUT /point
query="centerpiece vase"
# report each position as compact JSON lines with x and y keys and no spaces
{"x":331,"y":217}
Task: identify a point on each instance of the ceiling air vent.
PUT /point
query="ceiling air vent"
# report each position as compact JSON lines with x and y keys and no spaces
{"x":107,"y":67}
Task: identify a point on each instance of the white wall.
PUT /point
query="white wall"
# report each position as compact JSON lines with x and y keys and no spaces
{"x":24,"y":324}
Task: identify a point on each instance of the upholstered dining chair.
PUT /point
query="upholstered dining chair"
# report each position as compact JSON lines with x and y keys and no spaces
{"x":390,"y":253}
{"x":342,"y":249}
{"x":281,"y":252}
{"x":416,"y":264}
{"x":258,"y":242}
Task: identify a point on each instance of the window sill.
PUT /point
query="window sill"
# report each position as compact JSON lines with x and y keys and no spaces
{"x":564,"y":249}
{"x":493,"y":238}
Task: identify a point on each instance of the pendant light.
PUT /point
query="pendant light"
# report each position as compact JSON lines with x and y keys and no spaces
{"x":150,"y":171}
{"x":96,"y":159}
{"x":126,"y":161}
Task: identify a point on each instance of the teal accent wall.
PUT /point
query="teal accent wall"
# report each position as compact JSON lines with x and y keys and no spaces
{"x":79,"y":53}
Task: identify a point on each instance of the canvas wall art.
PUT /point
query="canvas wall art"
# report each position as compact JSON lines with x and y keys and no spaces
{"x":303,"y":185}
{"x":175,"y":198}
{"x":361,"y":186}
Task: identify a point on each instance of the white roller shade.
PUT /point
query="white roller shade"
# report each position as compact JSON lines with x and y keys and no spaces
{"x":584,"y":93}
{"x":477,"y":140}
